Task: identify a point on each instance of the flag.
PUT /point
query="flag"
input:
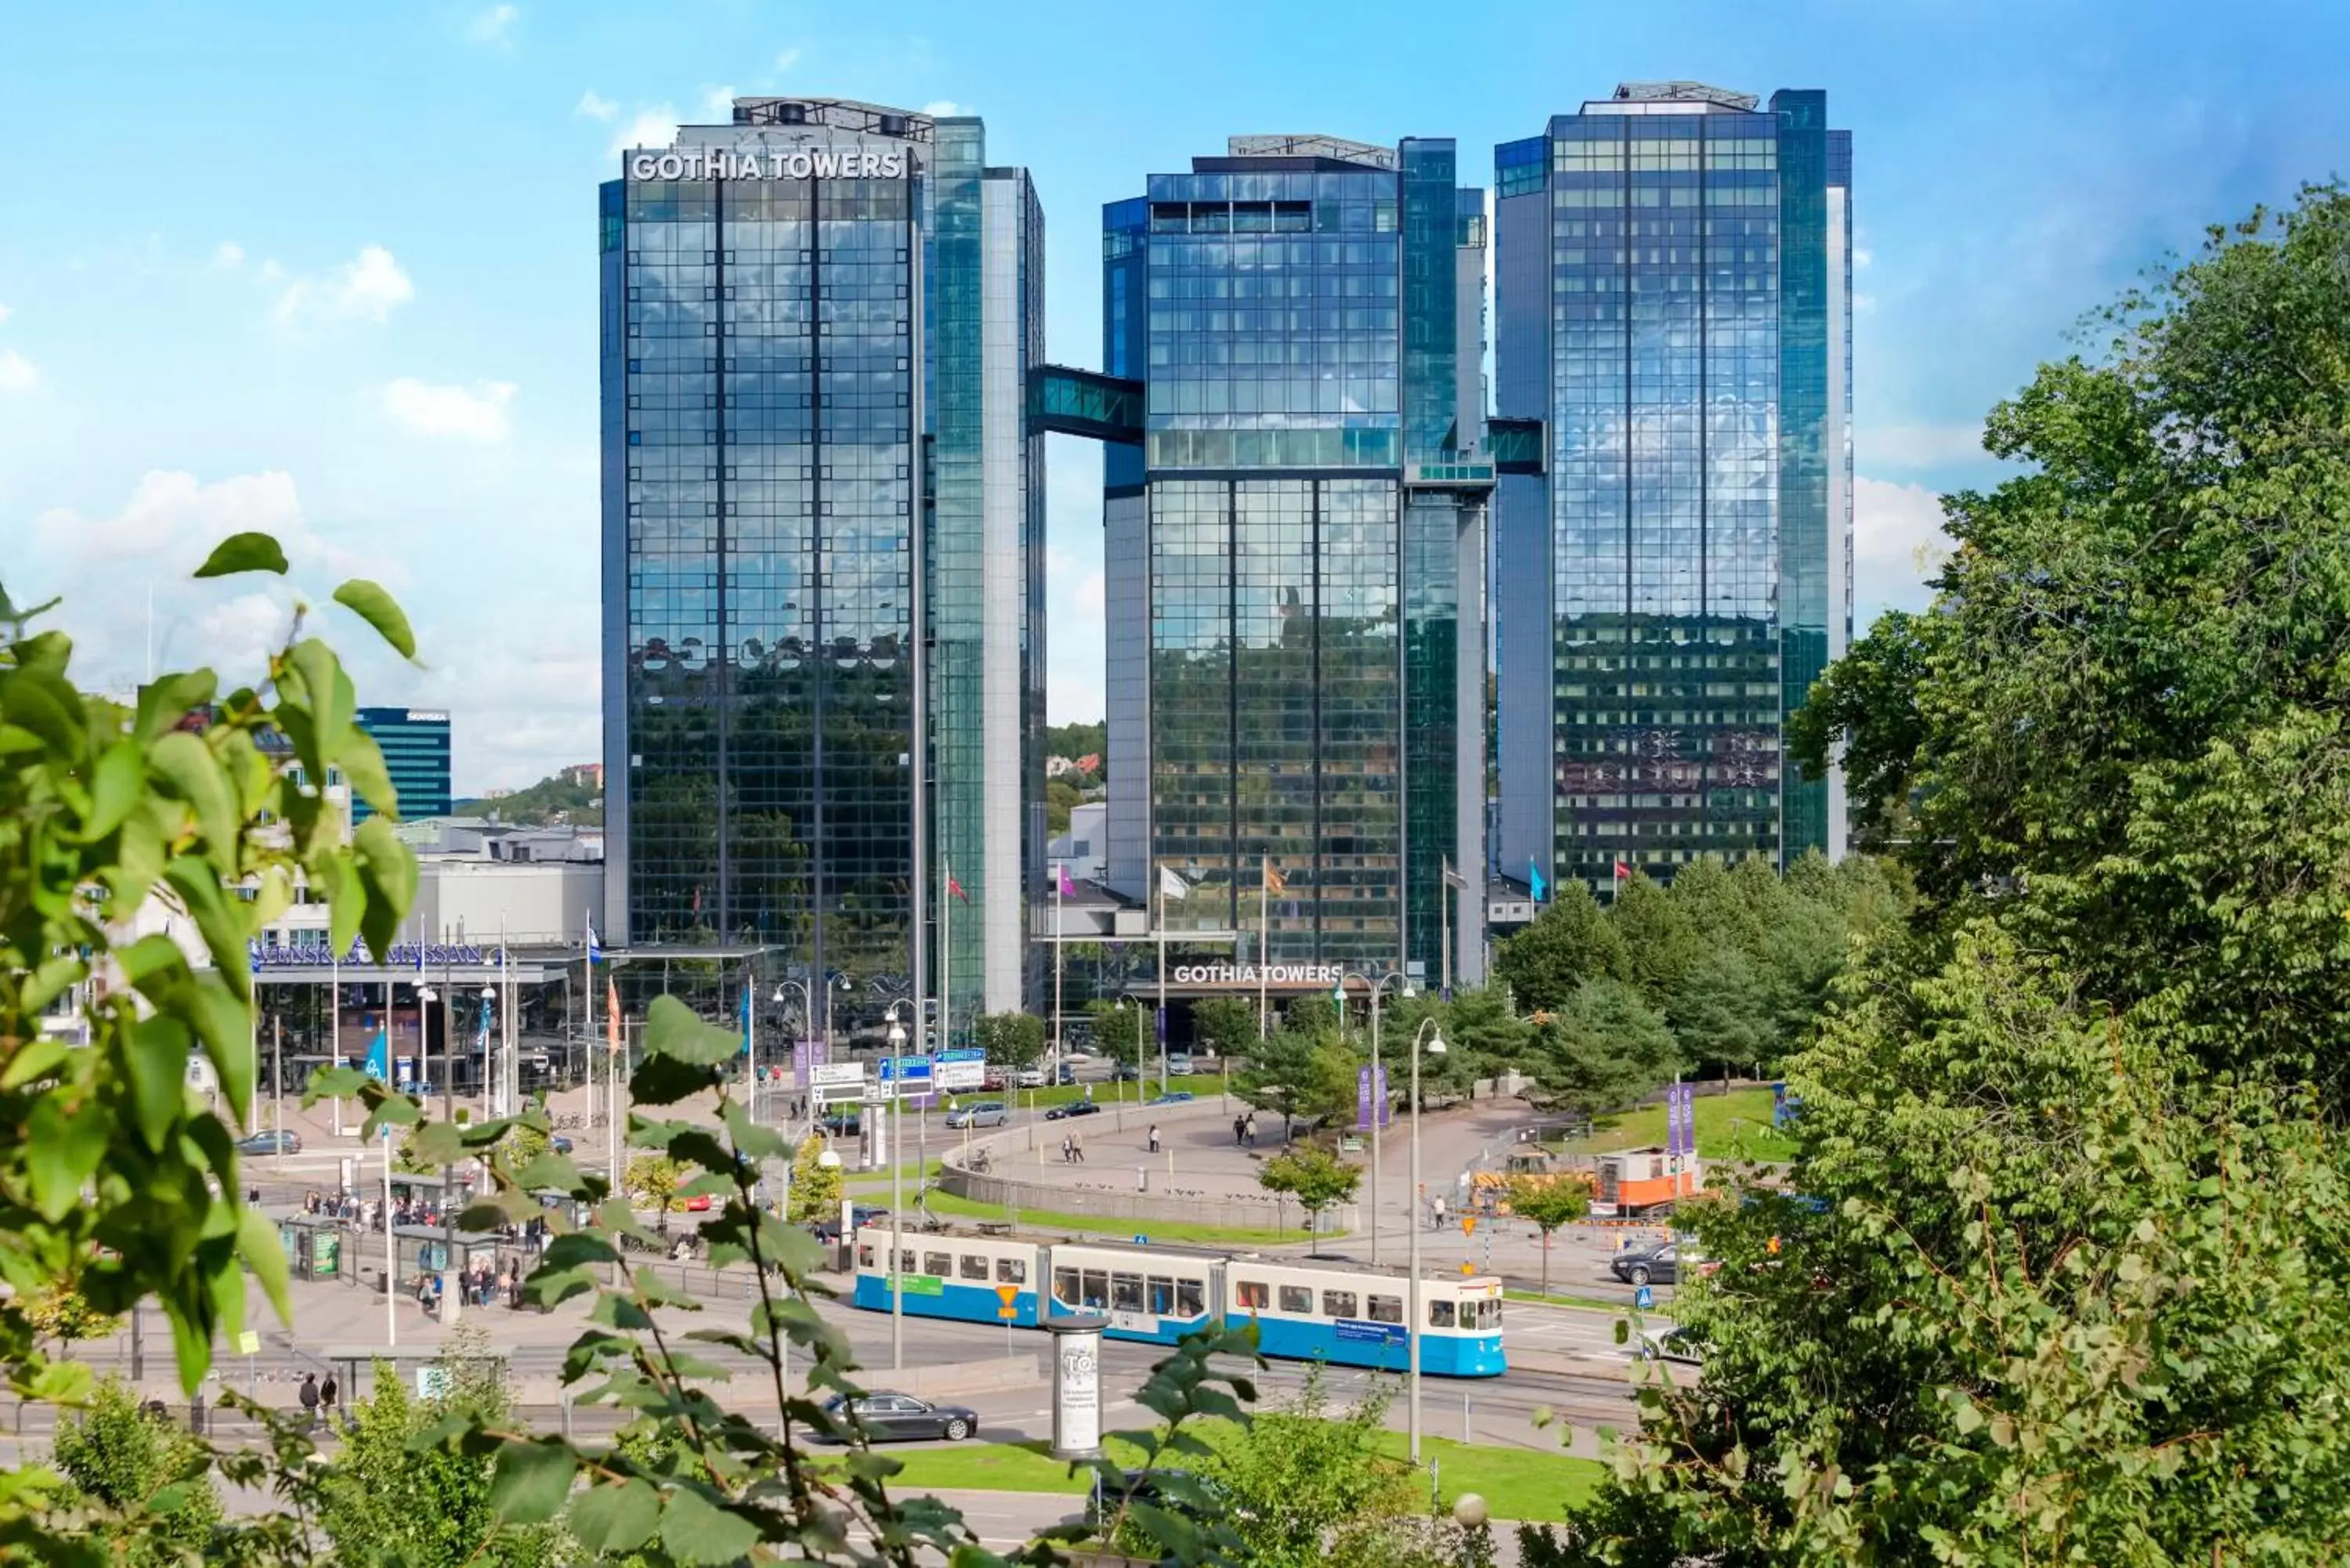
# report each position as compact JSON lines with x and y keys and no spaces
{"x":1454,"y":879}
{"x":594,"y":951}
{"x":1623,"y":871}
{"x":612,"y":1016}
{"x":1534,"y":880}
{"x":1171,"y":885}
{"x":746,"y":1015}
{"x":1274,"y":882}
{"x":956,"y":888}
{"x":1067,"y":888}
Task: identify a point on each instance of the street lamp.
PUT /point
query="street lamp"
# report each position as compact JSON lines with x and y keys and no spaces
{"x":896,"y":1210}
{"x":490,"y":1107}
{"x":1379,"y":1099}
{"x":1435,"y":1047}
{"x":425,"y":998}
{"x":808,"y":1013}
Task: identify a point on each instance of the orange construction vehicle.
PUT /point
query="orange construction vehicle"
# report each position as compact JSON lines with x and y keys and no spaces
{"x":1638,"y":1181}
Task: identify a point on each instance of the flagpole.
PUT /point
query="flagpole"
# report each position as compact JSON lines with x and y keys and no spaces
{"x":588,"y":1036}
{"x":946,"y":968}
{"x":1264,"y":941}
{"x":1060,"y":880}
{"x":335,"y":1017}
{"x":1158,"y":1024}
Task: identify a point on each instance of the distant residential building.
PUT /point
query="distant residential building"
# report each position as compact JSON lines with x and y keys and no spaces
{"x":584,"y":776}
{"x":1058,"y":767}
{"x":415,"y":746}
{"x":496,"y":792}
{"x":1088,"y":763}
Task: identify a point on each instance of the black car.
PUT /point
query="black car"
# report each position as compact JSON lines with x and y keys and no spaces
{"x":843,"y":1123}
{"x":827,"y":1230}
{"x":1650,"y":1265}
{"x":270,"y":1143}
{"x":1074,"y":1108}
{"x":899,"y":1418}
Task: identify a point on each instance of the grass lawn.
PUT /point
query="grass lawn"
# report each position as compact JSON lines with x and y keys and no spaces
{"x":1200,"y":1084}
{"x":1735,"y":1126}
{"x":947,"y":1203}
{"x":1591,"y":1304}
{"x":1516,"y":1483}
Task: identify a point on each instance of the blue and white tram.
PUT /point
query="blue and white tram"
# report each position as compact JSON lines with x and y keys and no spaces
{"x":1303,"y":1311}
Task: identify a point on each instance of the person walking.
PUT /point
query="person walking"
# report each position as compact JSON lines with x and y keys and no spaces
{"x":1239,"y":1132}
{"x":1068,"y":1146}
{"x":1251,"y":1129}
{"x":310,"y":1397}
{"x":1154,"y":1138}
{"x":328,"y":1394}
{"x":1078,"y":1148}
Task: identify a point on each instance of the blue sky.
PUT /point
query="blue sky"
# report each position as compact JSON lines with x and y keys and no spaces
{"x":330,"y":269}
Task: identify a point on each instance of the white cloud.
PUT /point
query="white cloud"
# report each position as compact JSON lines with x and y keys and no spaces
{"x":1864,"y":303}
{"x":17,"y":373}
{"x":718,"y":102}
{"x":228,"y":255}
{"x":1861,"y":256}
{"x":1896,"y":544}
{"x":594,"y":106}
{"x":653,"y":127}
{"x":471,"y":413}
{"x":367,"y":288}
{"x":271,"y":272}
{"x":5,"y":314}
{"x":786,"y":61}
{"x":495,"y":26}
{"x":1919,"y":446}
{"x":942,"y":108}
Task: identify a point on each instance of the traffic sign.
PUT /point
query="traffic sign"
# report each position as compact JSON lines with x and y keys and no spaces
{"x":904,"y":1069}
{"x":249,"y":1342}
{"x":834,"y":1073}
{"x":1007,"y":1314}
{"x":1468,"y":1224}
{"x":1007,"y":1294}
{"x":1468,"y":1268}
{"x":1142,"y":1240}
{"x":1644,"y":1298}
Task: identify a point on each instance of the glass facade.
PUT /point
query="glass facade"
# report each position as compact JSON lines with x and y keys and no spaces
{"x":790,"y":324}
{"x":1675,"y":330}
{"x":1289,"y":310}
{"x":415,"y":746}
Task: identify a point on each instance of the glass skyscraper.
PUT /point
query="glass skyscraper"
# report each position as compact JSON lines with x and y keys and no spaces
{"x":816,"y":325}
{"x":1294,"y":546}
{"x":415,"y":746}
{"x":1673,"y":280}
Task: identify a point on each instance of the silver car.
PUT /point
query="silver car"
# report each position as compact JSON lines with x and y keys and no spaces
{"x":979,"y":1114}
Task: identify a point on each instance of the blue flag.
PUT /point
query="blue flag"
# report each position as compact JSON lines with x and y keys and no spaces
{"x":1534,"y":880}
{"x":594,"y":951}
{"x":379,"y":1058}
{"x":746,"y":1019}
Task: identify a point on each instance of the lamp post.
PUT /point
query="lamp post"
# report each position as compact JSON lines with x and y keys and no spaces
{"x":1379,"y":1099}
{"x":808,"y":1015}
{"x":1435,"y":1047}
{"x":426,"y":998}
{"x":897,"y":1211}
{"x":490,"y":1106}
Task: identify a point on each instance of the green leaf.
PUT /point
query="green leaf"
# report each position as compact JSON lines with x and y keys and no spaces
{"x":529,"y":1480}
{"x":155,"y":1050}
{"x":673,"y":1029}
{"x":249,"y":552}
{"x":438,"y":1143}
{"x":379,"y":610}
{"x":607,"y":1520}
{"x":257,"y":1244}
{"x":701,"y":1535}
{"x":62,"y":1149}
{"x":187,"y":771}
{"x":168,"y":700}
{"x":114,"y":784}
{"x":388,"y":871}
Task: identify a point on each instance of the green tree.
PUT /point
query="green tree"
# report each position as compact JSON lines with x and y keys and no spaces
{"x":1224,"y":1024}
{"x":816,"y":1187}
{"x":1119,"y":1028}
{"x":139,"y":1480}
{"x":1313,"y":1176}
{"x":62,"y":1315}
{"x":1009,"y":1039}
{"x":1547,"y":1202}
{"x":655,"y":1181}
{"x":1605,"y":1048}
{"x":1315,"y":1490}
{"x":1280,"y":1075}
{"x":1722,"y":1011}
{"x":1569,"y":942}
{"x":1660,"y":942}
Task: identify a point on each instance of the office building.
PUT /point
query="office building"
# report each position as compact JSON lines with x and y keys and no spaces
{"x":816,"y":324}
{"x":1294,"y":528}
{"x":1674,"y":292}
{"x":415,"y":747}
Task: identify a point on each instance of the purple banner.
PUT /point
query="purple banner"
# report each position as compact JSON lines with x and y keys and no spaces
{"x":1386,"y":1106}
{"x":1162,"y":1026}
{"x":1680,"y":1119}
{"x":1362,"y":1098}
{"x":806,"y":1054}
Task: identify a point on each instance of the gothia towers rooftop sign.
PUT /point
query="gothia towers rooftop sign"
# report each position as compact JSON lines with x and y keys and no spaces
{"x":770,"y":164}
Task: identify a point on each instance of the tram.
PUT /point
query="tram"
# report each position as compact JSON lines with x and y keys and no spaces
{"x":1305,"y":1310}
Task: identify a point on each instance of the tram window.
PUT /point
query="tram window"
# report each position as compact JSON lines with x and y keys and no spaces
{"x":865,"y":1254}
{"x":1297,"y":1299}
{"x":1490,"y":1314}
{"x":938,"y":1265}
{"x":1338,"y":1303}
{"x":1011,"y":1271}
{"x":1440,"y":1315}
{"x":1097,"y":1288}
{"x":1386,"y":1308}
{"x":1253,"y":1293}
{"x":1191,"y":1298}
{"x":906,"y":1262}
{"x":1125,"y":1293}
{"x":975,"y":1267}
{"x":1066,"y":1289}
{"x":1162,"y":1296}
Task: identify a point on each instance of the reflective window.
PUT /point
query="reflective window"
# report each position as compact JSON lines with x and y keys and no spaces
{"x":1440,"y":1315}
{"x":1191,"y":1298}
{"x":1338,"y":1303}
{"x":1252,"y":1294}
{"x":1125,"y":1293}
{"x":1011,"y":1271}
{"x":1385,"y":1309}
{"x":975,"y":1267}
{"x":1297,"y":1299}
{"x":941,"y":1264}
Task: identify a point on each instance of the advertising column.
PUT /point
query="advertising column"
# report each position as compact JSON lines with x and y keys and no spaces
{"x":1076,"y":1388}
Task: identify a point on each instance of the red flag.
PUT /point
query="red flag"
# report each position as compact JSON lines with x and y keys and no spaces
{"x":612,"y":1016}
{"x":1623,"y":871}
{"x":956,"y":888}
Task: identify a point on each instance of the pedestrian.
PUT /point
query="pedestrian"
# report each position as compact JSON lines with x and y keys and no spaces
{"x":328,"y":1394}
{"x":1436,"y":1206}
{"x":1251,"y":1130}
{"x":310,"y":1397}
{"x":1240,"y":1131}
{"x":1077,"y":1147}
{"x":1154,"y":1138}
{"x":1067,"y":1144}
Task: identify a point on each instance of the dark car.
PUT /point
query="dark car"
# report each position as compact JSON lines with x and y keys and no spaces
{"x":1127,"y":1073}
{"x":1074,"y":1108}
{"x":900,"y":1417}
{"x":827,"y":1230}
{"x":1650,"y":1265}
{"x":843,"y":1123}
{"x":270,"y":1143}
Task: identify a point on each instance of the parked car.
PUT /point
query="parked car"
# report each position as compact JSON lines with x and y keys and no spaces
{"x":1067,"y":1073}
{"x":827,"y":1230}
{"x":994,"y":1082}
{"x":1128,"y":1073}
{"x":270,"y":1143}
{"x":884,"y":1418}
{"x":1074,"y":1108}
{"x":1178,"y":1063}
{"x":1172,"y":1097}
{"x":843,"y":1122}
{"x":1031,"y":1079}
{"x":1658,"y":1265}
{"x":979,"y":1114}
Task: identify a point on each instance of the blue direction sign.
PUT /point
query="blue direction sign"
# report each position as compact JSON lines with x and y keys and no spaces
{"x":1142,"y":1240}
{"x":1644,"y":1298}
{"x":962,"y":1056}
{"x":905,"y":1069}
